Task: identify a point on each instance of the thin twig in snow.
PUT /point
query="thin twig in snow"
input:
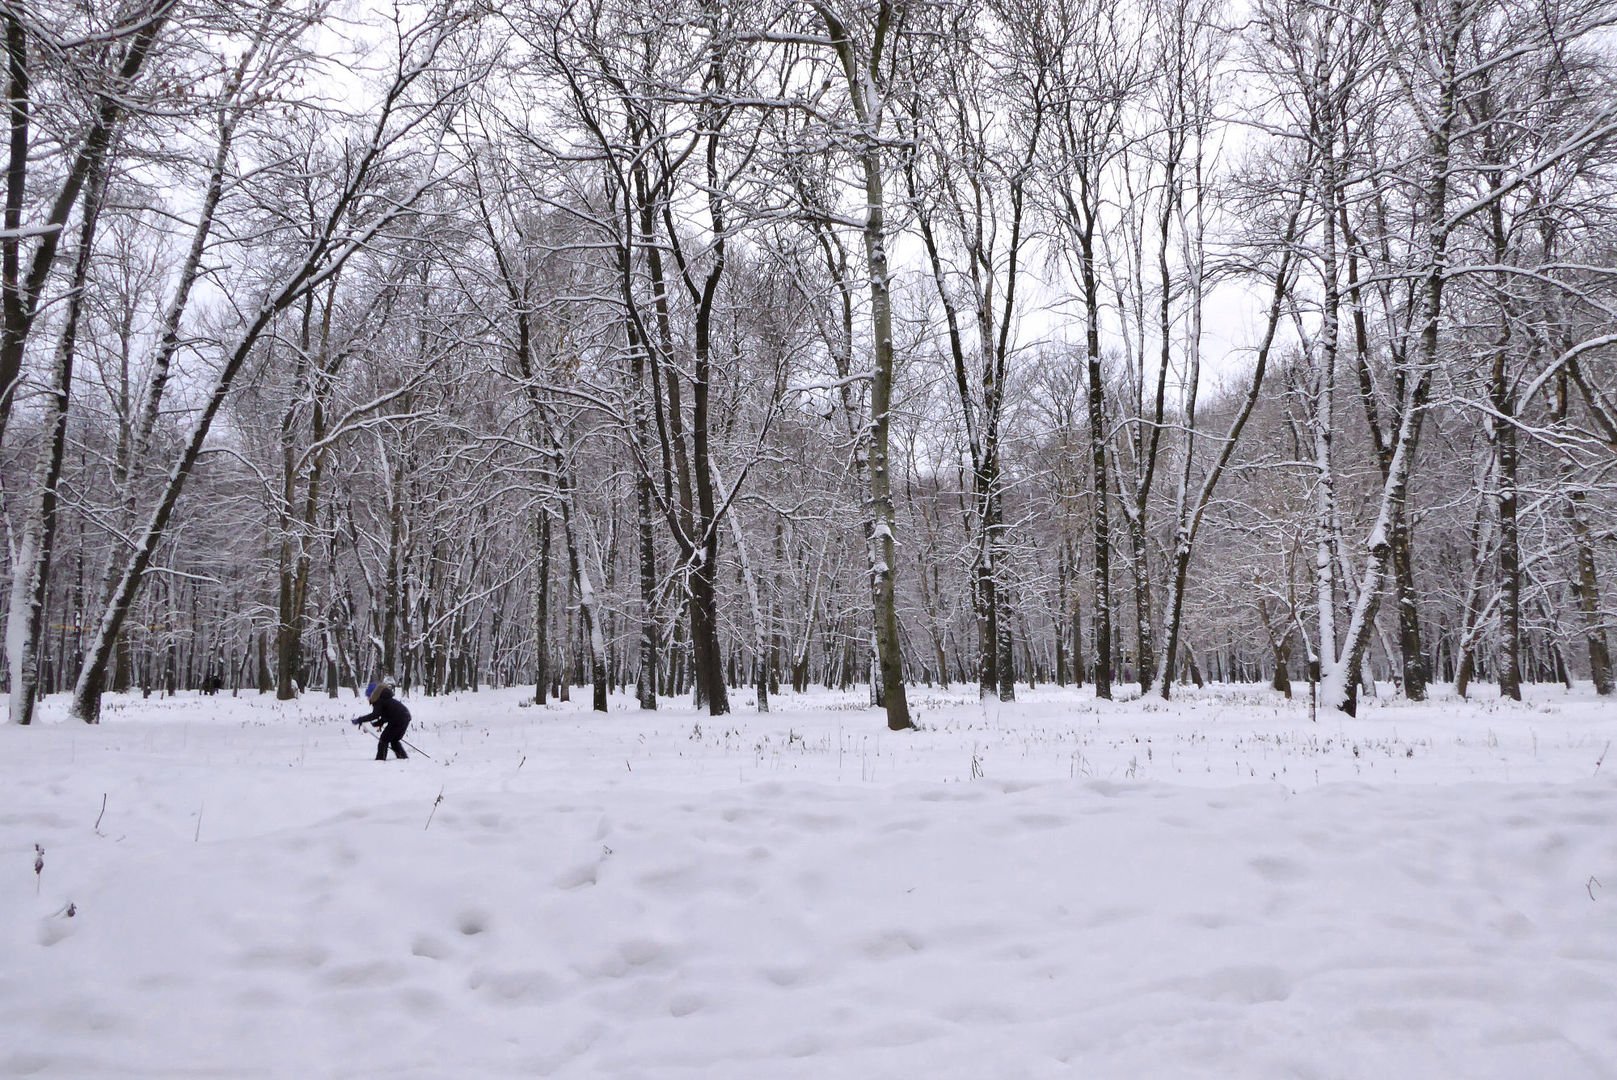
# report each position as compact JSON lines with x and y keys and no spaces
{"x":435,"y":803}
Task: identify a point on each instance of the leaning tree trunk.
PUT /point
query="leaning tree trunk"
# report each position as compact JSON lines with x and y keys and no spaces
{"x":1412,"y":655}
{"x":92,"y":679}
{"x":1339,"y":689}
{"x":1192,"y":512}
{"x":1392,"y":529}
{"x":321,"y":259}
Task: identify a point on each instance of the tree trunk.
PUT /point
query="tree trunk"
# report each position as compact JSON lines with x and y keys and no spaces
{"x":706,"y":657}
{"x":1096,"y":393}
{"x":1586,"y":591}
{"x":650,"y":646}
{"x":749,"y":581}
{"x":20,"y":293}
{"x":265,"y":682}
{"x":1076,"y":629}
{"x":1410,"y":650}
{"x":588,"y":616}
{"x":541,"y":605}
{"x":1584,"y":583}
{"x":986,"y":603}
{"x":884,"y":547}
{"x":1510,"y":573}
{"x":1144,"y":643}
{"x":31,"y":572}
{"x":864,"y":75}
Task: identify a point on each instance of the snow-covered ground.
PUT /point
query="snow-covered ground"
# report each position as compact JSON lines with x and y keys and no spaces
{"x":1216,"y":888}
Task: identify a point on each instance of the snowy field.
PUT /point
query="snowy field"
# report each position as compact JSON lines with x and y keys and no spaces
{"x":1216,"y":888}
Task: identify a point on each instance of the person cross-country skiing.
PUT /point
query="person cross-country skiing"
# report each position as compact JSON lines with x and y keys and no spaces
{"x":389,"y":714}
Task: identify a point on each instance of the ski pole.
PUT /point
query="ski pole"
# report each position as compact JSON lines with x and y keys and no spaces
{"x":406,"y":742}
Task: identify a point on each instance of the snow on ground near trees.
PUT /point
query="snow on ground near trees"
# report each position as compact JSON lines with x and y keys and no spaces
{"x":1216,"y":888}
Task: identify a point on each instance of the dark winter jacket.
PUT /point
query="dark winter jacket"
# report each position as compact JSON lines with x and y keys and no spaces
{"x":389,"y":710}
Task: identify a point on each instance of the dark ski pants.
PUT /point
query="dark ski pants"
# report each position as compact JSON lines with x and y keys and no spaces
{"x":390,"y":738}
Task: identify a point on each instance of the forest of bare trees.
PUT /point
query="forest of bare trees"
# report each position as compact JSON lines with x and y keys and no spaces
{"x":688,"y":347}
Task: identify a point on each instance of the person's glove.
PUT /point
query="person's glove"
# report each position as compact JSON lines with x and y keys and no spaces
{"x":376,"y":723}
{"x":358,"y":720}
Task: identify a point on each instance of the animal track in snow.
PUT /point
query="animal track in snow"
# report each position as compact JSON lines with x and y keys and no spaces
{"x":1245,"y":984}
{"x":429,"y":947}
{"x":364,"y":975}
{"x":889,"y":944}
{"x":284,"y":957}
{"x":645,"y":952}
{"x":579,"y":875}
{"x":684,"y":1004}
{"x":515,"y":985}
{"x":1278,"y":869}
